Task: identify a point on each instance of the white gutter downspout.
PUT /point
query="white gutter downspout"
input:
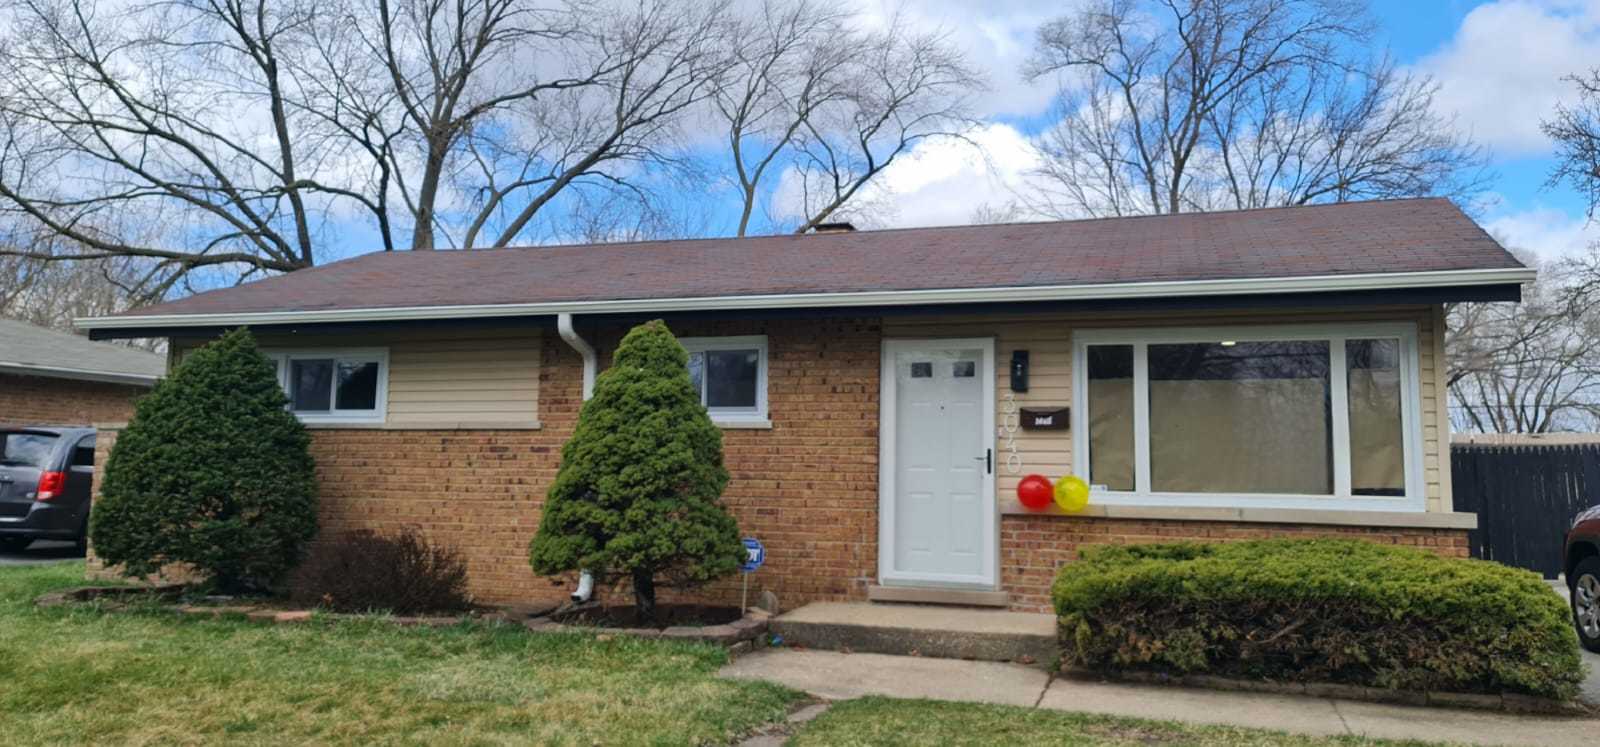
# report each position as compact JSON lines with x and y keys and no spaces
{"x":585,"y":588}
{"x":590,"y":363}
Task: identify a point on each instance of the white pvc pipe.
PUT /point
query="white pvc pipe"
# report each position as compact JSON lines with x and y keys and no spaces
{"x":590,"y":361}
{"x":590,"y":365}
{"x":585,"y":587}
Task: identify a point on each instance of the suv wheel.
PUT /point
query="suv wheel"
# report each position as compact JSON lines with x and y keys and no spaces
{"x":1586,"y":602}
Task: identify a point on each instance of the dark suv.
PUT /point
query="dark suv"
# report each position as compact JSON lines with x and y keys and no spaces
{"x":45,"y":475}
{"x":1583,"y":576}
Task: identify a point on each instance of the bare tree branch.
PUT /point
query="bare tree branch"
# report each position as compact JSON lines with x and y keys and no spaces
{"x":1171,"y":106}
{"x":902,"y":87}
{"x":1531,"y":367}
{"x":1576,"y":132}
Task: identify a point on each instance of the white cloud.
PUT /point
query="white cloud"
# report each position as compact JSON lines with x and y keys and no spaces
{"x":1502,"y":71}
{"x":1548,"y":232}
{"x":939,"y":182}
{"x":997,"y":37}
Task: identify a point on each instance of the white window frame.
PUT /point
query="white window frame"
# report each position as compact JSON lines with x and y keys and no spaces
{"x":1415,"y":498}
{"x":282,"y":358}
{"x":727,"y":416}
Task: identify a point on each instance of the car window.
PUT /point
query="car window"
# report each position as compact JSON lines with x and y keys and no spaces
{"x":25,"y":449}
{"x":83,"y":453}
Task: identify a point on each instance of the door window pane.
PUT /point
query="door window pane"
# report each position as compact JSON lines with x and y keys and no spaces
{"x":1240,"y":417}
{"x":731,"y":378}
{"x":1377,"y":445}
{"x":310,"y":384}
{"x":922,"y":370}
{"x":358,"y":386}
{"x":964,"y":369}
{"x":1111,"y":416}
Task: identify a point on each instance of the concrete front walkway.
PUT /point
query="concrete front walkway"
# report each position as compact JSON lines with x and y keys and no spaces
{"x":839,"y":676}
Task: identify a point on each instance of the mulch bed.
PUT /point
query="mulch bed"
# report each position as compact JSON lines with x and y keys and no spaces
{"x":739,"y":634}
{"x":625,"y":616}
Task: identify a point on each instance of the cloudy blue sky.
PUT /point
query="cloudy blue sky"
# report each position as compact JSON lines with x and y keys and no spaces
{"x":1499,"y":65}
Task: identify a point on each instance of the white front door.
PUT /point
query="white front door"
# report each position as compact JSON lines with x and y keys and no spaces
{"x":936,"y":504}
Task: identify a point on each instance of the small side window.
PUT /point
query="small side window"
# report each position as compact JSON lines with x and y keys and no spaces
{"x":335,"y":385}
{"x":731,"y":375}
{"x":83,"y":453}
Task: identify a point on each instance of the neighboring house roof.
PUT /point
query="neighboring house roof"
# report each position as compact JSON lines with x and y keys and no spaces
{"x":1349,"y":246}
{"x":36,"y":351}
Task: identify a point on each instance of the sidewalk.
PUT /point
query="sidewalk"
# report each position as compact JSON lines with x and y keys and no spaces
{"x":838,"y":676}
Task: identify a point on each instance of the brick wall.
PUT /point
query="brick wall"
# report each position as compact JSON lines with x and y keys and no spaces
{"x":102,"y":451}
{"x":807,"y":486}
{"x":1033,"y":548}
{"x":41,"y":400}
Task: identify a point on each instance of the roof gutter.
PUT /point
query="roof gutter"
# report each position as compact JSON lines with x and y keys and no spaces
{"x":78,"y":374}
{"x":590,"y":362}
{"x":1101,"y":291}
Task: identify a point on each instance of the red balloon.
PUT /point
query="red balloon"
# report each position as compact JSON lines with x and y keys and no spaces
{"x":1035,"y":492}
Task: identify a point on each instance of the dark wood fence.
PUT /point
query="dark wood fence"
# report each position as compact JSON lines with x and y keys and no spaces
{"x":1525,"y":496}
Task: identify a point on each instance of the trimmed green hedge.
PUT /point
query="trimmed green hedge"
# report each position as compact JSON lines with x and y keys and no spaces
{"x":1321,"y":610}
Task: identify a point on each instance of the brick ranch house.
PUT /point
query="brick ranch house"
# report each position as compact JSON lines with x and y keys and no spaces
{"x":1213,"y":376}
{"x":55,"y":378}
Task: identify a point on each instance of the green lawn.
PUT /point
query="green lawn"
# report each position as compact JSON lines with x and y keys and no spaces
{"x":75,"y":675}
{"x":82,"y":676}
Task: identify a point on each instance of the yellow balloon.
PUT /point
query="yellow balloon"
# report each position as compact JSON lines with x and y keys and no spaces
{"x":1072,"y":494}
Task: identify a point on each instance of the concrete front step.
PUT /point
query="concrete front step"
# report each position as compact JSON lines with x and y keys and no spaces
{"x":921,"y":630}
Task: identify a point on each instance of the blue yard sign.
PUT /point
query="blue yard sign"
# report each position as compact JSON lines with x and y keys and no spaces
{"x":755,"y":555}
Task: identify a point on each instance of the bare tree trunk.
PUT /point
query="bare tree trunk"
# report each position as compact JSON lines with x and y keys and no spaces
{"x":427,"y":194}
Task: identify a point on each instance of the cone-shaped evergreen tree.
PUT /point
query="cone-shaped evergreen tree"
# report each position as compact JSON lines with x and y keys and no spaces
{"x":213,"y":471}
{"x":638,"y":491}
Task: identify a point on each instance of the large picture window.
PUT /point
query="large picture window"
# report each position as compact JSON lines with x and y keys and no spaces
{"x":334,"y":386}
{"x":1319,"y":416}
{"x":731,"y":376}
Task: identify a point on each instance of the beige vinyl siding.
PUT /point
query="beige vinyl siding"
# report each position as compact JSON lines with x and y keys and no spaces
{"x":444,"y":378}
{"x":1048,"y":338}
{"x":454,"y":381}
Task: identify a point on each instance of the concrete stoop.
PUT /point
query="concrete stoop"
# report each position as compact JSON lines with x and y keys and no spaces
{"x":921,"y":630}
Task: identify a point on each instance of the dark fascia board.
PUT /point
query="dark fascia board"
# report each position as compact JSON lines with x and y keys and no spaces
{"x":1507,"y":292}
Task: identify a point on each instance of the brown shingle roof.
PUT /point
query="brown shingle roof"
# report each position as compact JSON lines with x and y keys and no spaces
{"x":1397,"y":236}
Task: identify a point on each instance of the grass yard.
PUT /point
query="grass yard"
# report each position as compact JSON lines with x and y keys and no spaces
{"x":885,"y":721}
{"x":76,"y":675}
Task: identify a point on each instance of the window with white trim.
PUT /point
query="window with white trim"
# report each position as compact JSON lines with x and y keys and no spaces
{"x":1317,"y":416}
{"x":731,"y":375}
{"x":335,"y":385}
